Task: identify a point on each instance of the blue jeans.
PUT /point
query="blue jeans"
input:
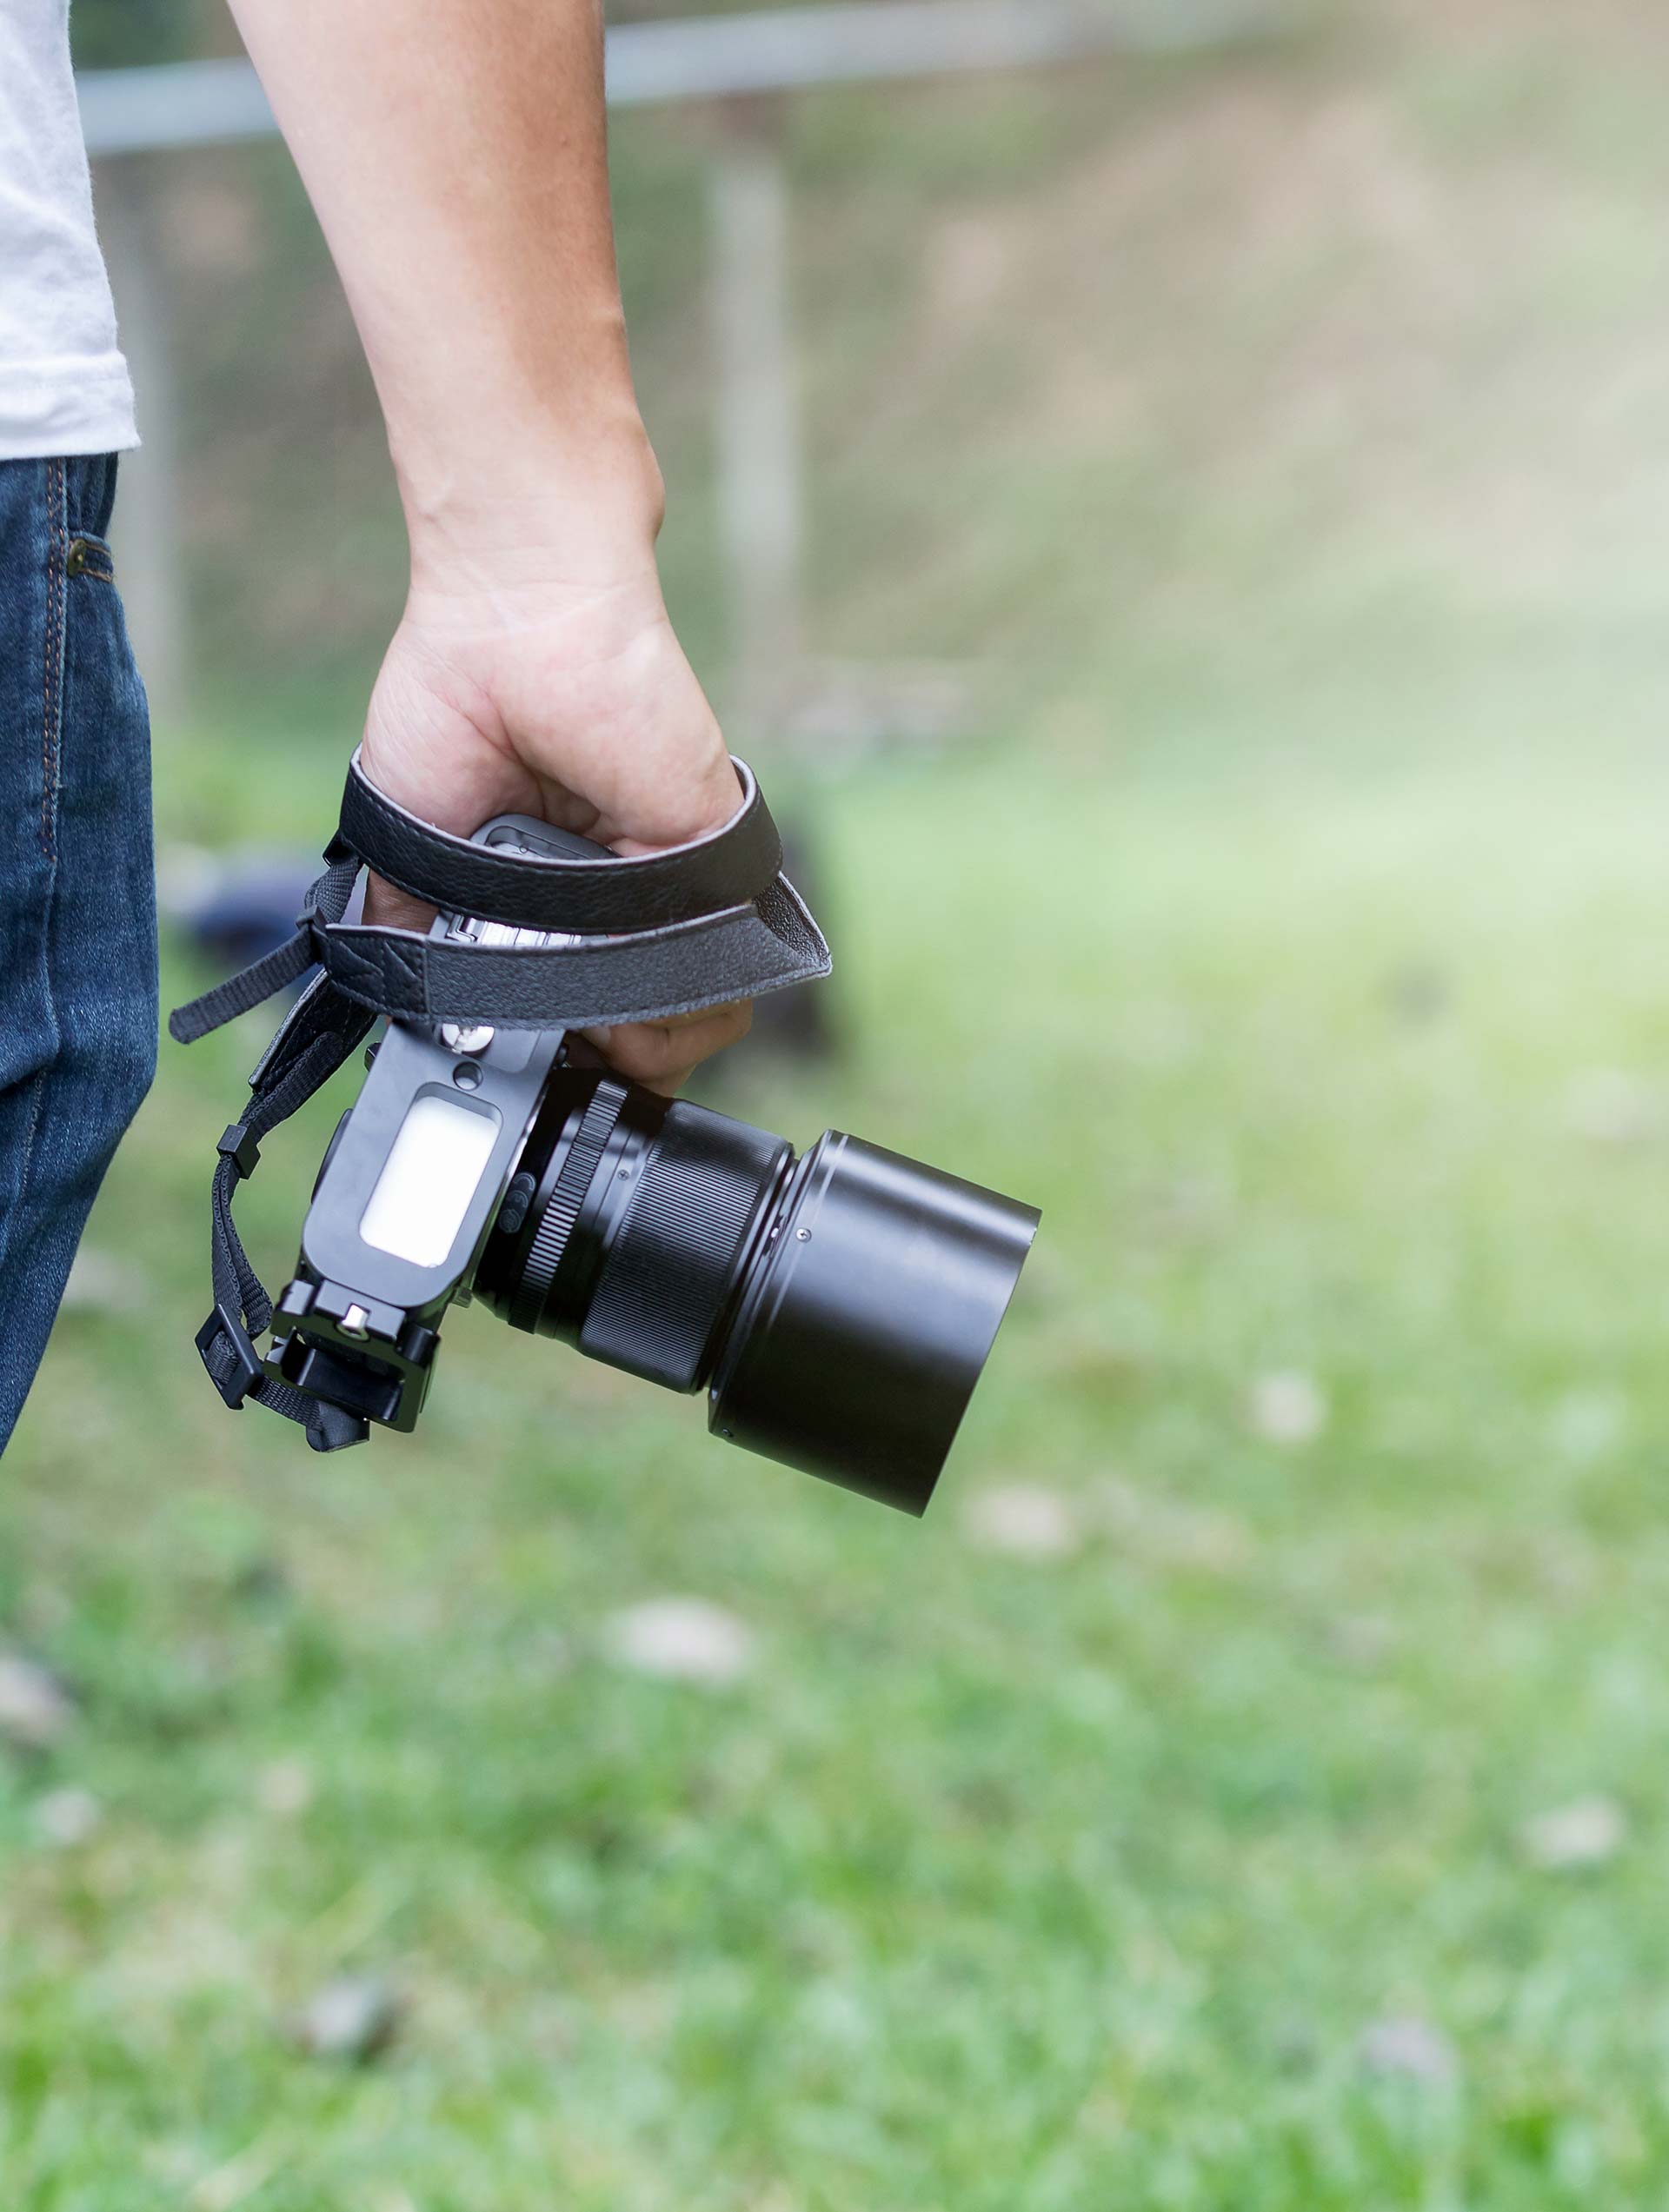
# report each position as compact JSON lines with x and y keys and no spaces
{"x":78,"y":894}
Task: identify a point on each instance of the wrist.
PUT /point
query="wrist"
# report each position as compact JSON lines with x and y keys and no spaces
{"x":579,"y":501}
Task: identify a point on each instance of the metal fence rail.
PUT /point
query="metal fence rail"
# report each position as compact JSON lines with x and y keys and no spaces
{"x":761,"y":529}
{"x":198,"y":104}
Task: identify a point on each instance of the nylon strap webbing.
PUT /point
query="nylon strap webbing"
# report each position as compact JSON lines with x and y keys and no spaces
{"x":319,"y":1033}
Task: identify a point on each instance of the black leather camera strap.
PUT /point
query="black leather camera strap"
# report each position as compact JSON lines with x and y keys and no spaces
{"x":664,"y":933}
{"x":640,"y":891}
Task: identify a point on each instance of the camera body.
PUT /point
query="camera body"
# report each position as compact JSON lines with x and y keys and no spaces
{"x":411,"y":1184}
{"x":836,"y":1308}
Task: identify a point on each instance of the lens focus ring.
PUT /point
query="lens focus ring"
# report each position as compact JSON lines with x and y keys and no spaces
{"x":563,"y":1208}
{"x":670,"y":1270}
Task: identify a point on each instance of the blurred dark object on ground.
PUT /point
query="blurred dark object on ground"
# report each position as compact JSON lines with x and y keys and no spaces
{"x":234,"y":907}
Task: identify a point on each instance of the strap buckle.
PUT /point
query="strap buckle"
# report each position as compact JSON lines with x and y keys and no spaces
{"x":233,"y":1364}
{"x":238,"y":1145}
{"x":309,"y":910}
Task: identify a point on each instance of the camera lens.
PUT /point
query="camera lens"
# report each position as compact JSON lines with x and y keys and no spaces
{"x":633,"y":1219}
{"x":838,"y":1309}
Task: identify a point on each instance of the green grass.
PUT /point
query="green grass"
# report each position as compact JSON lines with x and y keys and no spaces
{"x":1285,"y":436}
{"x":1000,"y":1883}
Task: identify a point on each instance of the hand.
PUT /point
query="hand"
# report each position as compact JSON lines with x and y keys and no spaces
{"x":556,"y":688}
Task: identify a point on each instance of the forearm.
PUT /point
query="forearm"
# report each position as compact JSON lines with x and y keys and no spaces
{"x":454,"y":150}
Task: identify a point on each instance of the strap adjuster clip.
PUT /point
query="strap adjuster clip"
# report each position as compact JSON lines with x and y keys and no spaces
{"x":232,"y":1362}
{"x":238,"y":1145}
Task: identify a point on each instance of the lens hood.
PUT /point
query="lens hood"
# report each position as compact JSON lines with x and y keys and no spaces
{"x":867,"y":1321}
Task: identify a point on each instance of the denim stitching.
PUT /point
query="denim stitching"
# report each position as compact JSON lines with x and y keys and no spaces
{"x":51,"y":698}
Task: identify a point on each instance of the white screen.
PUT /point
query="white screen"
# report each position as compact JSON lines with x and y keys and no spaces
{"x":429,"y":1179}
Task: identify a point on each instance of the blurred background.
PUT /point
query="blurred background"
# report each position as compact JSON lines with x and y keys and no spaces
{"x":1182,"y":529}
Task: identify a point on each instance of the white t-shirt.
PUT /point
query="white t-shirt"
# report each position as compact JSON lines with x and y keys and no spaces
{"x":64,"y":385}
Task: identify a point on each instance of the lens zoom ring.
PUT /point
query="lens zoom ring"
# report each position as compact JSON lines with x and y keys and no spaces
{"x":562,"y":1207}
{"x":667,"y":1278}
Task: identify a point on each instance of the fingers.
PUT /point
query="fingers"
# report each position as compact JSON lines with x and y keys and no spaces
{"x":386,"y":909}
{"x":661,"y":1055}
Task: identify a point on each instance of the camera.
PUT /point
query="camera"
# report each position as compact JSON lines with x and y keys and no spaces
{"x":836,"y":1307}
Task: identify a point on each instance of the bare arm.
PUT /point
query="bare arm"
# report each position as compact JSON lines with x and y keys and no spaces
{"x":455,"y":152}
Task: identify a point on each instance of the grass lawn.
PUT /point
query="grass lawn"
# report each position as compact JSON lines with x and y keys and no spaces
{"x":1245,"y":1792}
{"x":1177,"y":1861}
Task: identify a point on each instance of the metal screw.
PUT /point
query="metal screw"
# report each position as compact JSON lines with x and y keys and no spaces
{"x":466,"y":1036}
{"x":355,"y":1322}
{"x":804,"y":1235}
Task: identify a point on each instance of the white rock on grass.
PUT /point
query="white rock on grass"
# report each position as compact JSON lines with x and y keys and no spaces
{"x":351,"y":2019}
{"x":1405,"y":2045}
{"x":1588,"y":1425}
{"x":681,"y":1639}
{"x":1287,"y":1407}
{"x":67,"y":1816}
{"x":100,"y":1282}
{"x":1589,"y":1831}
{"x":1364,"y":1642}
{"x":284,"y":1789}
{"x":35,"y":1709}
{"x":1609,"y":1106}
{"x":1024,"y":1519}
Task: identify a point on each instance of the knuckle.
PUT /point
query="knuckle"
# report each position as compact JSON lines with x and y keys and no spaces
{"x":639,"y":1051}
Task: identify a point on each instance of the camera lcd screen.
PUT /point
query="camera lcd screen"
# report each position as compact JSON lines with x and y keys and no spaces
{"x":429,"y":1179}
